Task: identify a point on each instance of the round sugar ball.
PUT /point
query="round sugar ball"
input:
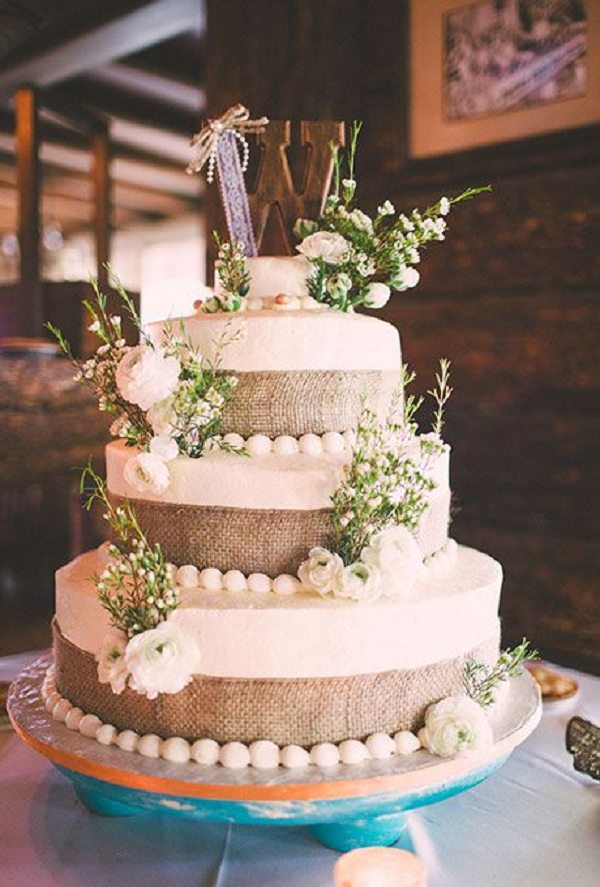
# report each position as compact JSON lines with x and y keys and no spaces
{"x":234,"y":440}
{"x":286,"y":445}
{"x":206,"y":751}
{"x":187,"y":576}
{"x":106,"y":734}
{"x":73,"y":718}
{"x":235,"y":755}
{"x":353,"y":752}
{"x":406,"y":742}
{"x":333,"y":442}
{"x":211,"y":579}
{"x":52,"y":700}
{"x":255,"y":304}
{"x":311,"y":444}
{"x":61,"y":709}
{"x":264,"y":754}
{"x":259,"y":445}
{"x":286,"y":584}
{"x":380,"y":746}
{"x":293,"y":756}
{"x":259,"y":583}
{"x":176,"y":749}
{"x":325,"y":754}
{"x":150,"y":745}
{"x":349,"y":439}
{"x":234,"y":580}
{"x":127,"y":740}
{"x":88,"y":726}
{"x":309,"y":304}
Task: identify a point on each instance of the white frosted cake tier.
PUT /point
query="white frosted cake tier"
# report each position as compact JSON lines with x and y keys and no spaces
{"x":251,"y":635}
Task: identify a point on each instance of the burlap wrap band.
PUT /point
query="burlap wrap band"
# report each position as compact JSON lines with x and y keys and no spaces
{"x":302,"y":711}
{"x":302,"y":401}
{"x":248,"y":539}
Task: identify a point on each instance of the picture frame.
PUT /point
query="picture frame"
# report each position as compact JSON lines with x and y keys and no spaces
{"x":547,"y":78}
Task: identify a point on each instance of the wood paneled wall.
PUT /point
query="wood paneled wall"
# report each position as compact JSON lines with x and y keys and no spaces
{"x":512,"y":296}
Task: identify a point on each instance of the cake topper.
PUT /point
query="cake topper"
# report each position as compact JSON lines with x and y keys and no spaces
{"x":217,"y":144}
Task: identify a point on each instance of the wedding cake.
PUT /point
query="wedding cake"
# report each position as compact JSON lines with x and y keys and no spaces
{"x":281,"y":588}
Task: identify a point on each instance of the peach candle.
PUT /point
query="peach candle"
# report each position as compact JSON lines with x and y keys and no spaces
{"x":379,"y":867}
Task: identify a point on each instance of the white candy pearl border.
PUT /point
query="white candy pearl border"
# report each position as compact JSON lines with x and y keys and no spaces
{"x":330,"y":443}
{"x":260,"y":755}
{"x":279,"y":302}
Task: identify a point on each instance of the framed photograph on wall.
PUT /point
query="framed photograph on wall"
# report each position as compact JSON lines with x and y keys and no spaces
{"x":490,"y":71}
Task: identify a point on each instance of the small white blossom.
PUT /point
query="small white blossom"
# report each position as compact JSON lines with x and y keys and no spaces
{"x":444,"y":206}
{"x":386,"y":209}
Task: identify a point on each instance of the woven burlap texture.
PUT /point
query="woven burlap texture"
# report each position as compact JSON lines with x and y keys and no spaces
{"x":302,"y":711}
{"x":252,"y":540}
{"x":303,"y":401}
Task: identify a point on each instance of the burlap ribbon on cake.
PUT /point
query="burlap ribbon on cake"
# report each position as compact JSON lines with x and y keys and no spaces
{"x":252,"y":540}
{"x":303,"y":401}
{"x":303,"y":711}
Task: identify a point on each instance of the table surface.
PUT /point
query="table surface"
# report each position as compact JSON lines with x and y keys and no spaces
{"x":536,"y":822}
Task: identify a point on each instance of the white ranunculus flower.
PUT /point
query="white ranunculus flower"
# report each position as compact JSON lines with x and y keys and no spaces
{"x":321,"y":571}
{"x":147,"y":473}
{"x":111,"y":660}
{"x":161,"y":660}
{"x":162,"y":416}
{"x":164,"y":447}
{"x":456,"y":726}
{"x":407,"y":278}
{"x":378,"y":295}
{"x":397,"y":556}
{"x":359,"y":582}
{"x":145,"y":376}
{"x":325,"y":245}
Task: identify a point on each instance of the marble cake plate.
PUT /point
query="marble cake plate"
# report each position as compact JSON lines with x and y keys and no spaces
{"x":344,"y":806}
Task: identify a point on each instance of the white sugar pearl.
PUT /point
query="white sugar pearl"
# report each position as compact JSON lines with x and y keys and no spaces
{"x":187,"y":576}
{"x":255,"y":304}
{"x":293,"y":756}
{"x":106,"y":734}
{"x":171,"y":570}
{"x":234,"y":440}
{"x":380,"y":745}
{"x":333,"y":442}
{"x":150,"y":745}
{"x":311,"y":444}
{"x":234,"y":580}
{"x":128,"y":740}
{"x":211,"y":579}
{"x":325,"y":754}
{"x":176,"y":749}
{"x":352,"y":751}
{"x":308,"y":303}
{"x":88,"y":726}
{"x":422,"y":736}
{"x":406,"y":742}
{"x":285,"y":445}
{"x":73,"y":718}
{"x":264,"y":754}
{"x":206,"y":751}
{"x":293,"y":303}
{"x":349,"y":439}
{"x":259,"y":445}
{"x":52,"y":700}
{"x":286,"y":584}
{"x":235,"y":755}
{"x":259,"y":583}
{"x":61,"y":709}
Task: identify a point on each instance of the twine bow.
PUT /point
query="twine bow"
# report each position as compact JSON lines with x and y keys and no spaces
{"x":204,"y":144}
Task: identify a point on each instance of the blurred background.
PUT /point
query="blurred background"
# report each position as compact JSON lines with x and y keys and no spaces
{"x":97,"y":105}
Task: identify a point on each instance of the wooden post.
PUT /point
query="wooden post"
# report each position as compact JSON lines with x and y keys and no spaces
{"x":28,"y":183}
{"x":102,"y":200}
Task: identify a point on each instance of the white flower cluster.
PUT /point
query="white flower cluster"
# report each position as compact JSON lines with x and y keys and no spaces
{"x":233,"y":278}
{"x":160,"y":660}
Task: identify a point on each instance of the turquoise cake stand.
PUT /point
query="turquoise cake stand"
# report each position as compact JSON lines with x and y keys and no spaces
{"x":344,"y":806}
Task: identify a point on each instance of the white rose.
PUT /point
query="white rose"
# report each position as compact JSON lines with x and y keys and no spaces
{"x":145,"y":376}
{"x":162,"y":416}
{"x":161,"y":660}
{"x":359,"y":582}
{"x":111,"y":660}
{"x":321,"y":571}
{"x":164,"y":447}
{"x":147,"y":473}
{"x":456,"y":726}
{"x":377,"y":296}
{"x":397,"y":556}
{"x":325,"y":245}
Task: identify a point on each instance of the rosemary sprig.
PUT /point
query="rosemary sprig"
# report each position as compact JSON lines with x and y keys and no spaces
{"x":480,"y":680}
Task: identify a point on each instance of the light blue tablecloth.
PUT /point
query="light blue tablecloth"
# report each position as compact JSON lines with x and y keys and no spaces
{"x":534,"y":824}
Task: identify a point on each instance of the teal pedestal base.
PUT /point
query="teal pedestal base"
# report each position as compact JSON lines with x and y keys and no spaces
{"x":380,"y":831}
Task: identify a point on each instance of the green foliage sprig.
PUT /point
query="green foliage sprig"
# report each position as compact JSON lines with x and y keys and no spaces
{"x":481,"y":680}
{"x":441,"y":394}
{"x":137,"y":588}
{"x":234,"y":277}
